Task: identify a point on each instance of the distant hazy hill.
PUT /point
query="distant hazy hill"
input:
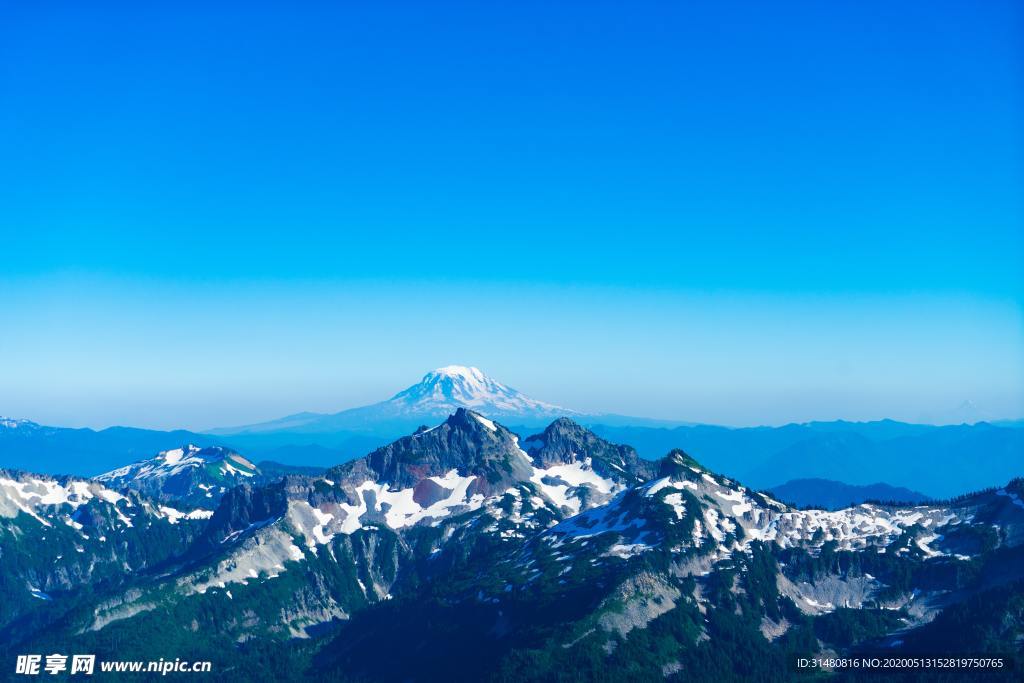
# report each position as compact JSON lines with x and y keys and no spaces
{"x":835,"y":495}
{"x":84,"y":452}
{"x":943,"y":461}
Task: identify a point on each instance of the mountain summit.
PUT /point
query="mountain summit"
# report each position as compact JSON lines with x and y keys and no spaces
{"x":190,"y":474}
{"x":439,"y":394}
{"x":456,"y":386}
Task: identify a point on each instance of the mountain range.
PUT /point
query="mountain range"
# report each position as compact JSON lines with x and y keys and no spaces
{"x":464,"y":551}
{"x":835,"y":495}
{"x":937,"y":461}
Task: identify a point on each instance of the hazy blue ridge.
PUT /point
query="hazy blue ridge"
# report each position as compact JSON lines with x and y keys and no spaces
{"x":835,"y":495}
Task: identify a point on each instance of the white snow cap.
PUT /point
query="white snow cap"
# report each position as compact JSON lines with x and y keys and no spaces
{"x":461,"y":386}
{"x":459,"y":371}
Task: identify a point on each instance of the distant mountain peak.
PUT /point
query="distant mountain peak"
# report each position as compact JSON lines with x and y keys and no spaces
{"x":459,"y":386}
{"x":438,"y":394}
{"x":463,"y":371}
{"x":676,"y":462}
{"x":966,"y":412}
{"x":14,"y":423}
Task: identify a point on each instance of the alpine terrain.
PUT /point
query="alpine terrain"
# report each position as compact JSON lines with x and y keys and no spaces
{"x":465,"y":552}
{"x":915,"y":461}
{"x":191,"y":474}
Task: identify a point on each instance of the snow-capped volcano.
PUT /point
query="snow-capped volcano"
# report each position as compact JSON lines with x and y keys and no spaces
{"x":456,"y":386}
{"x":439,"y":394}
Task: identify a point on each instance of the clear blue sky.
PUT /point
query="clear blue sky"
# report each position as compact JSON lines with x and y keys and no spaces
{"x":739,"y":213}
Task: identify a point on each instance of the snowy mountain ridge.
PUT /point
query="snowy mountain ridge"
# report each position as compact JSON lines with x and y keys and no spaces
{"x":190,"y":473}
{"x":721,"y":517}
{"x":62,"y":500}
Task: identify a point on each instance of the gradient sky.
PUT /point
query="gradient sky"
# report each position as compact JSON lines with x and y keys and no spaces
{"x":740,"y":213}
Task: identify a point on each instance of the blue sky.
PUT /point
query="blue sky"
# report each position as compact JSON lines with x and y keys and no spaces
{"x":739,"y":213}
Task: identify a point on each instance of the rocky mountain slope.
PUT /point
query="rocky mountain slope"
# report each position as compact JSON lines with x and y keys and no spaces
{"x":694,"y":576}
{"x":62,"y":536}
